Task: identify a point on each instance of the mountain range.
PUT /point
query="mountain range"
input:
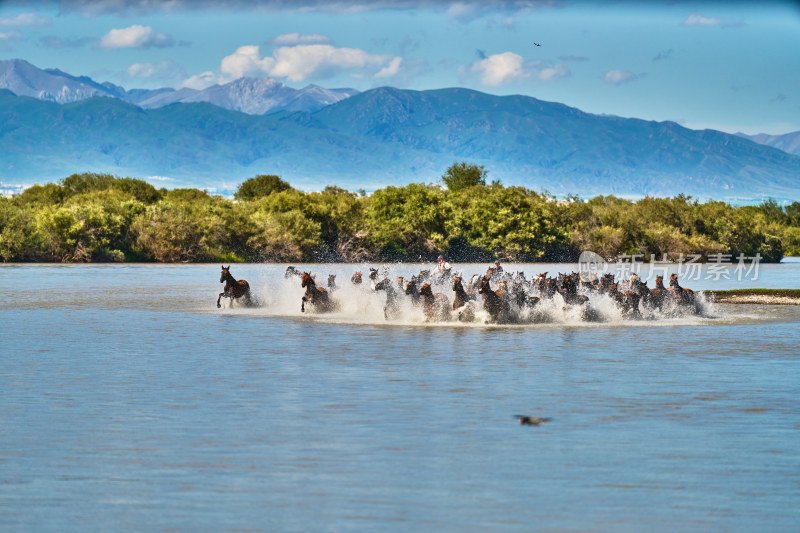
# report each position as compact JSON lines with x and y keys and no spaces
{"x":788,"y":142}
{"x":249,"y":95}
{"x":315,"y":137}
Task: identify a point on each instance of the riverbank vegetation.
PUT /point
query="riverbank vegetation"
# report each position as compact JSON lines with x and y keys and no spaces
{"x":98,"y":217}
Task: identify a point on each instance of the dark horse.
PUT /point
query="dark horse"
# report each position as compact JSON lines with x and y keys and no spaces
{"x":317,"y":296}
{"x":233,"y":289}
{"x":494,"y":302}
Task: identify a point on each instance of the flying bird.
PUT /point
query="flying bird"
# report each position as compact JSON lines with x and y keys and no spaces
{"x":531,"y":420}
{"x":537,"y":44}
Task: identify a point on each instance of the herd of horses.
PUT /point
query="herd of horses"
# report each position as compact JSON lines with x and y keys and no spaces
{"x":504,"y":298}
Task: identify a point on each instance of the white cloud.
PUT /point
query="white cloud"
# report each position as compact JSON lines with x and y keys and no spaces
{"x":462,"y":11}
{"x":245,"y":61}
{"x":24,"y":20}
{"x":391,"y":69}
{"x":135,"y":36}
{"x":618,"y":77}
{"x":291,"y":39}
{"x":201,"y":81}
{"x":499,"y":68}
{"x":509,"y":67}
{"x":301,"y":62}
{"x":698,"y":20}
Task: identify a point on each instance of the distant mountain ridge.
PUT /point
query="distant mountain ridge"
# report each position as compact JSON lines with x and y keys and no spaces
{"x":249,"y":95}
{"x":788,"y":142}
{"x":388,"y":136}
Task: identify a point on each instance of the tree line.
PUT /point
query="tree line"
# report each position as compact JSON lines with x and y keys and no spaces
{"x":99,"y":217}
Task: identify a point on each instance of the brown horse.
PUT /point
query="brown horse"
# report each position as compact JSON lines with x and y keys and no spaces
{"x":606,"y":280}
{"x":495,"y":302}
{"x":316,"y":296}
{"x":233,"y":289}
{"x":462,"y":297}
{"x":645,"y":295}
{"x":681,"y":295}
{"x":569,"y":289}
{"x":435,"y":306}
{"x":659,"y":292}
{"x":547,"y":286}
{"x":628,"y":301}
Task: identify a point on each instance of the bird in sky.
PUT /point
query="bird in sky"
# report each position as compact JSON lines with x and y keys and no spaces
{"x":537,"y":44}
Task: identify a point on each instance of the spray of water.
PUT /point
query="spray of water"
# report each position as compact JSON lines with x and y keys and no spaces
{"x":362,"y":304}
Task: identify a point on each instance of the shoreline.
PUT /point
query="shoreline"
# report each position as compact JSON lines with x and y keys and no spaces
{"x":756,"y":296}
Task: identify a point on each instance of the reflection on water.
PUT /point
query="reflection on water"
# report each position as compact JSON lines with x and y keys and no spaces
{"x":130,"y":402}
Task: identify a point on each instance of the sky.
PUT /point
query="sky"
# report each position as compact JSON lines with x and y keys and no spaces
{"x":732,"y":66}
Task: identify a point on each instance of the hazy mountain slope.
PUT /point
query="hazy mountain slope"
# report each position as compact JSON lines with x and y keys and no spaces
{"x":24,"y":79}
{"x":389,"y":136}
{"x":527,"y":140}
{"x":788,"y":142}
{"x":255,"y":96}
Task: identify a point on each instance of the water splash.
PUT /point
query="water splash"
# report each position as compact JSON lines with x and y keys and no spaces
{"x":361,"y":304}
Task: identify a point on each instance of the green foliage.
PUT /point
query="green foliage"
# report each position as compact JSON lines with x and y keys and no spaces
{"x":260,"y":186}
{"x":408,"y":222}
{"x":509,"y":222}
{"x":464,"y":175}
{"x":89,"y":182}
{"x":98,"y":217}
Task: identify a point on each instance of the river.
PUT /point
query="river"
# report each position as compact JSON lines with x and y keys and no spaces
{"x":129,"y":402}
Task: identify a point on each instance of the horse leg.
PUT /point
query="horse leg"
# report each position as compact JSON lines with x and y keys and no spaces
{"x":218,"y":299}
{"x":303,"y":305}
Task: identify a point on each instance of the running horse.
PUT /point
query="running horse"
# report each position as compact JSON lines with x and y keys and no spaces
{"x":434,"y":306}
{"x":682,"y":295}
{"x":494,"y":302}
{"x":234,"y":289}
{"x":316,"y":296}
{"x":462,"y":297}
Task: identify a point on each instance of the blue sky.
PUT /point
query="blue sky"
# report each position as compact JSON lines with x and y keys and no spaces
{"x":732,"y":66}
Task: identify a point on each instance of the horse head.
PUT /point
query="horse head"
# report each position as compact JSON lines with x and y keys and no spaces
{"x":225,"y":273}
{"x":373,"y":273}
{"x":484,"y":286}
{"x":308,"y":281}
{"x":457,"y":284}
{"x":425,"y":290}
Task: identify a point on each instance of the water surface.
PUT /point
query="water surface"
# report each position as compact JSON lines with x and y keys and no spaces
{"x":128,"y":402}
